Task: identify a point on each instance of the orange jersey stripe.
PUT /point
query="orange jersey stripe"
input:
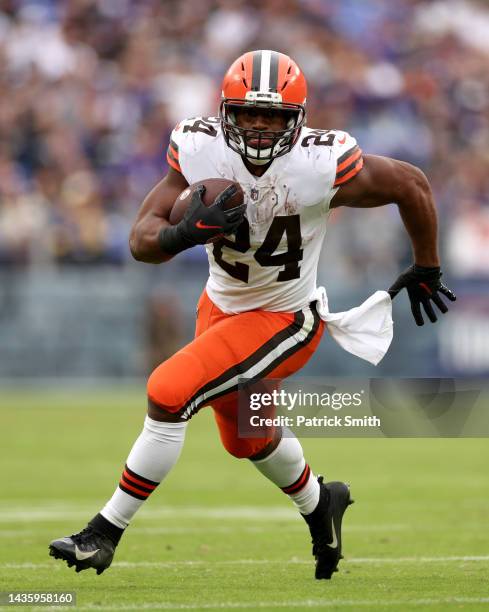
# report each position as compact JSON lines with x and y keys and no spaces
{"x":175,"y":165}
{"x":134,"y":489}
{"x":173,"y":152}
{"x":353,"y":157}
{"x":136,"y":481}
{"x":351,"y":174}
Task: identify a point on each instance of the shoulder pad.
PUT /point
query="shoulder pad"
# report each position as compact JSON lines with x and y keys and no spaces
{"x":338,"y":146}
{"x":189,"y":136}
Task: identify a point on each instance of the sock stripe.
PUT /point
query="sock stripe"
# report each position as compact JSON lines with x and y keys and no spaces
{"x":300,"y":483}
{"x":136,"y":481}
{"x":135,"y":492}
{"x":146,"y":481}
{"x":135,"y":485}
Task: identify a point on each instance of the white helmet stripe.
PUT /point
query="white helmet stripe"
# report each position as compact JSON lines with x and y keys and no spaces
{"x":266,"y":57}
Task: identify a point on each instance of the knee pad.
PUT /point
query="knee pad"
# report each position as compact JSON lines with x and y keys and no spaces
{"x":241,"y":448}
{"x":244,"y":448}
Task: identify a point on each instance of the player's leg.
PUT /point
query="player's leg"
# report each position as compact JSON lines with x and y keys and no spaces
{"x":152,"y":456}
{"x":206,"y":368}
{"x":281,"y":459}
{"x":322,"y":505}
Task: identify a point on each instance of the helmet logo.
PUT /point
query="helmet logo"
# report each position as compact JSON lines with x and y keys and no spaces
{"x":270,"y":97}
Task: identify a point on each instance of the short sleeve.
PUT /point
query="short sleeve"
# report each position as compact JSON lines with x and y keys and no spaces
{"x":349,"y":160}
{"x":189,"y":145}
{"x":172,"y":153}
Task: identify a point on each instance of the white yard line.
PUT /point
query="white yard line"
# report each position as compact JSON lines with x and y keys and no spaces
{"x":57,"y":513}
{"x":23,"y":533}
{"x":54,"y":514}
{"x":306,"y":603}
{"x":293,"y":561}
{"x":419,"y":559}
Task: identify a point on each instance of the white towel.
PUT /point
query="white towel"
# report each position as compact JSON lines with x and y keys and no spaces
{"x":365,"y":331}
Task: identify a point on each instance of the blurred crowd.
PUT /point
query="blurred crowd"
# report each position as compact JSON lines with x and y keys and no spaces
{"x":90,"y":90}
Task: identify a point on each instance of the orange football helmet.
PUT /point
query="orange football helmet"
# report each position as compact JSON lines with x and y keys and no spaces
{"x":263,"y":79}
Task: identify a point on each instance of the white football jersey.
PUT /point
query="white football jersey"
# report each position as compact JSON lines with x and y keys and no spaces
{"x":271,"y":262}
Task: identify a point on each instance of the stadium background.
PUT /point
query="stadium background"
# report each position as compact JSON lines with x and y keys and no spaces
{"x":90,"y":92}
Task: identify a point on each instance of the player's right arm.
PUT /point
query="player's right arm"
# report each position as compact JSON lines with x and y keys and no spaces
{"x":153,"y":216}
{"x":155,"y":240}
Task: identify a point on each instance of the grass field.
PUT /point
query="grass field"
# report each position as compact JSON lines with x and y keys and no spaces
{"x":217,"y":535}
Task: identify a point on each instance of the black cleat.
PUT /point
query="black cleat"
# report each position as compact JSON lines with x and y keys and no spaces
{"x":325,"y":526}
{"x":89,"y":548}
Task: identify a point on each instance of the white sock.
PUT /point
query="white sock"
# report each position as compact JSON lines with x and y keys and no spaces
{"x":153,"y":455}
{"x":287,"y":468}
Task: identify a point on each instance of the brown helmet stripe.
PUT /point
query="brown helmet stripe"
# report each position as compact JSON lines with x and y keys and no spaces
{"x":256,"y":71}
{"x":273,"y":82}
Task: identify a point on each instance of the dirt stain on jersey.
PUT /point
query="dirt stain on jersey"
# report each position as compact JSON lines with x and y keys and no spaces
{"x":291,"y":206}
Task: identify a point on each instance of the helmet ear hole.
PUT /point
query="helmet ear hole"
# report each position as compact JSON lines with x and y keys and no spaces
{"x":291,"y":118}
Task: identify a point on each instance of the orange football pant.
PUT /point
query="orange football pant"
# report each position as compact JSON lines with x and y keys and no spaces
{"x":252,"y":344}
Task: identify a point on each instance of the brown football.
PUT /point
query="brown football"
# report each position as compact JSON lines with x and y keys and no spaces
{"x":213,"y":187}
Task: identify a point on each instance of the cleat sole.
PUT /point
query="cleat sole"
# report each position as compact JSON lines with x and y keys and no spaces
{"x":57,"y":554}
{"x":70,"y":561}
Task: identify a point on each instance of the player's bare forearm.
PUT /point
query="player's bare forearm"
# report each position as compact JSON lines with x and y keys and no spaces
{"x":144,"y":243}
{"x":384,"y":181}
{"x":152,"y":217}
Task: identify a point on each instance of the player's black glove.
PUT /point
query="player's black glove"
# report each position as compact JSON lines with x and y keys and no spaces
{"x":423,"y":286}
{"x":200,"y":223}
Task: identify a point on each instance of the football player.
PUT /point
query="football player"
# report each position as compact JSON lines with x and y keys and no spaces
{"x":256,"y":317}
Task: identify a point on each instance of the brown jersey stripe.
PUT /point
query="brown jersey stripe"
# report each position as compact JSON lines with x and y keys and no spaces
{"x":349,"y":175}
{"x":241,"y":368}
{"x":173,"y":152}
{"x":173,"y":162}
{"x":253,"y":359}
{"x":350,"y":156}
{"x":174,"y":145}
{"x":133,"y":491}
{"x":299,"y":483}
{"x":172,"y":156}
{"x":348,"y":168}
{"x":145,"y":481}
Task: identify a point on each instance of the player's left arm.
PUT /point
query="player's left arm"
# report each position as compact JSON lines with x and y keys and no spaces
{"x":384,"y":181}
